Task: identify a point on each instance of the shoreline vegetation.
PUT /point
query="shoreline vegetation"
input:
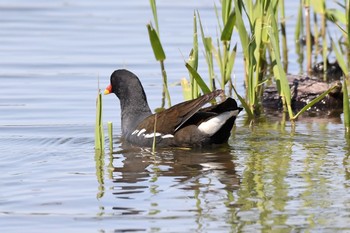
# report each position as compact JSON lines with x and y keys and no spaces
{"x":261,"y":27}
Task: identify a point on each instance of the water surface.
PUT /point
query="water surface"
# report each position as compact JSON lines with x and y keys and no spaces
{"x":269,"y":178}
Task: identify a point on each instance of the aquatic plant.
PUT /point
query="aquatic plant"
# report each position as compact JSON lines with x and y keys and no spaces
{"x":158,"y":51}
{"x":261,"y":29}
{"x":99,"y":136}
{"x":110,"y":135}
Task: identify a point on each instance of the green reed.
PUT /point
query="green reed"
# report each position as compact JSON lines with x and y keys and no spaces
{"x":284,"y":35}
{"x":192,"y":61}
{"x":344,"y":67}
{"x":262,"y":36}
{"x":308,"y":36}
{"x":110,"y":135}
{"x":99,"y":136}
{"x":158,"y":51}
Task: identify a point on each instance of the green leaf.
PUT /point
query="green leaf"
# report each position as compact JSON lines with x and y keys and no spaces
{"x":198,"y":78}
{"x":243,"y":34}
{"x":346,"y":109}
{"x":186,"y":89}
{"x":154,"y":12}
{"x":155,"y":43}
{"x":278,"y":68}
{"x":99,"y":136}
{"x":110,"y":135}
{"x":314,"y":101}
{"x":319,"y":6}
{"x":225,"y":10}
{"x":340,"y":59}
{"x":230,"y":63}
{"x":335,"y":15}
{"x":244,"y":104}
{"x":228,"y":28}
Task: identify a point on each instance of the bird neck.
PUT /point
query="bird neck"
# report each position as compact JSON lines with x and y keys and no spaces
{"x":134,"y":110}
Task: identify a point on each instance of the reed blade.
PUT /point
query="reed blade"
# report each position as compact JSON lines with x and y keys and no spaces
{"x":155,"y":43}
{"x":198,"y":78}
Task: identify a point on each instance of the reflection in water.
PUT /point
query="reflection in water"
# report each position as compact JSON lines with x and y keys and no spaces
{"x":273,"y":178}
{"x":157,"y":184}
{"x":184,"y":164}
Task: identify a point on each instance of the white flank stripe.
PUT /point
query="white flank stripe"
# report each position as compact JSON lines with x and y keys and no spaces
{"x":211,"y":126}
{"x":168,"y":136}
{"x":135,"y":132}
{"x":151,"y":135}
{"x":141,"y":132}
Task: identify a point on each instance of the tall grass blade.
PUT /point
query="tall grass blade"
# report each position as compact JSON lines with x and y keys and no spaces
{"x":244,"y":104}
{"x":284,"y":35}
{"x":340,"y":59}
{"x":155,"y":43}
{"x":314,"y":101}
{"x":225,"y":10}
{"x":346,"y":108}
{"x":230,"y":63}
{"x":154,"y":12}
{"x":345,"y":70}
{"x":308,"y":36}
{"x":207,"y":43}
{"x":278,"y":68}
{"x":186,"y":89}
{"x":198,"y":78}
{"x":299,"y":28}
{"x":154,"y":134}
{"x":228,"y":27}
{"x":99,"y":136}
{"x":193,"y":58}
{"x":110,"y":136}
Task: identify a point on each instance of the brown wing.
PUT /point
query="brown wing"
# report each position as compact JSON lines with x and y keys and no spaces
{"x":170,"y":120}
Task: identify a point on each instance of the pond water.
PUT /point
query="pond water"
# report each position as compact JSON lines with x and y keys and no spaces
{"x":270,"y":178}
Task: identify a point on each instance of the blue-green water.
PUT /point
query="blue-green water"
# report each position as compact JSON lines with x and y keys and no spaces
{"x":270,"y":178}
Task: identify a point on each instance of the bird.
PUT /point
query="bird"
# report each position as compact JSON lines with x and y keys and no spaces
{"x":187,"y":124}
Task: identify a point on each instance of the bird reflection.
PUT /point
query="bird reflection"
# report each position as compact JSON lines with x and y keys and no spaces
{"x":134,"y":166}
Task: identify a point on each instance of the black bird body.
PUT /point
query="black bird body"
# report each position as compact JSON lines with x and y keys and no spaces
{"x":186,"y":124}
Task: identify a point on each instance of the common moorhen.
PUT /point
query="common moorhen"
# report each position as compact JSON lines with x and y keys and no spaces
{"x":186,"y":124}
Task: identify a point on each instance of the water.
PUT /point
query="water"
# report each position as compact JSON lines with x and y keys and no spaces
{"x":271,"y":178}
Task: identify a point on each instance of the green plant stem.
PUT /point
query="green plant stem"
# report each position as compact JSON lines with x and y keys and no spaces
{"x":165,"y":83}
{"x":346,"y":108}
{"x":154,"y":134}
{"x":308,"y":36}
{"x":314,"y":101}
{"x":284,"y":36}
{"x":99,"y":137}
{"x":110,"y":135}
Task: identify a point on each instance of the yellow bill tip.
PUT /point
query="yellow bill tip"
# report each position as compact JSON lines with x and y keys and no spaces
{"x":108,"y":90}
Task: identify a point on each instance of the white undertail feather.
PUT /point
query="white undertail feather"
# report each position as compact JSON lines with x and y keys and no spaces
{"x":211,"y":126}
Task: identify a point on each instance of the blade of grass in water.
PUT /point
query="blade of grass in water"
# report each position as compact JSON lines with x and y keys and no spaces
{"x":99,"y":137}
{"x":154,"y":12}
{"x":110,"y":136}
{"x":207,"y":42}
{"x":198,"y":78}
{"x":154,"y":134}
{"x":278,"y":68}
{"x":193,"y":59}
{"x":314,"y":101}
{"x":155,"y":43}
{"x":345,"y":70}
{"x":346,"y":108}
